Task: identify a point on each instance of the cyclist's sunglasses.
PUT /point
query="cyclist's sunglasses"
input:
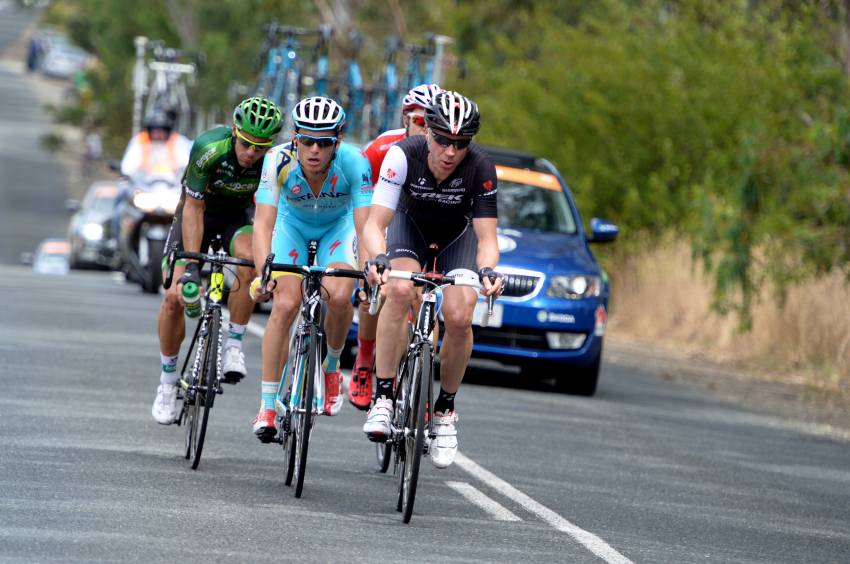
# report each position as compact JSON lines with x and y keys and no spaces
{"x":309,"y":140}
{"x":416,"y":119}
{"x":248,"y":143}
{"x":444,"y":141}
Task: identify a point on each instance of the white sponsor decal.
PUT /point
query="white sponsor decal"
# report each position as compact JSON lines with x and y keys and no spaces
{"x":456,"y":182}
{"x":544,"y":316}
{"x":205,"y":158}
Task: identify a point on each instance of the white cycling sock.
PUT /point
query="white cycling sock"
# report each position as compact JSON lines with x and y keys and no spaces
{"x":332,"y":360}
{"x":235,"y":334}
{"x":169,"y":374}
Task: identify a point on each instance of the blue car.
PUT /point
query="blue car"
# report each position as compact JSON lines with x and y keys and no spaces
{"x":556,"y":327}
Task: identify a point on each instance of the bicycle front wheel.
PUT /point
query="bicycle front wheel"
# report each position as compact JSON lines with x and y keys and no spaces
{"x":204,"y":392}
{"x":414,"y":435}
{"x":305,"y":409}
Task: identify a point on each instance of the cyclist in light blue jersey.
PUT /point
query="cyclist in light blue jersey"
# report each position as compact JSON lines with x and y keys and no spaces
{"x":314,"y":188}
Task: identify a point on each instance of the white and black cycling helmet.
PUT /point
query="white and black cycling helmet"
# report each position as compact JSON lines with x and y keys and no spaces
{"x":319,"y":113}
{"x":420,"y":97}
{"x":453,"y":113}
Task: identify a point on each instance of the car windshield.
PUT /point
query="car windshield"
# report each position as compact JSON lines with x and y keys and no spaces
{"x":533,"y":207}
{"x":102,"y":205}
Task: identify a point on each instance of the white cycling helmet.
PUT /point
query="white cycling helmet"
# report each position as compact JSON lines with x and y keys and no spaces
{"x":453,"y":113}
{"x":318,"y":112}
{"x":420,"y":97}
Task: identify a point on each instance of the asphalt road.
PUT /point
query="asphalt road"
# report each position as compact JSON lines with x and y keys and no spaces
{"x":32,"y":182}
{"x":646,"y":471}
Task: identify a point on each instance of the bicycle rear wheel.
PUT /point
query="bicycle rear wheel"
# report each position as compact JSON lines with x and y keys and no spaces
{"x":204,"y":393}
{"x":295,"y":375}
{"x":304,"y":413}
{"x":414,"y":436}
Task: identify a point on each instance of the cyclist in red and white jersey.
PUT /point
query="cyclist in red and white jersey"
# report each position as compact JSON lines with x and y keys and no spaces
{"x":413,"y":123}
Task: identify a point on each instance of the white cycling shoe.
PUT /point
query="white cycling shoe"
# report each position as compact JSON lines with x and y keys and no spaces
{"x":164,"y":408}
{"x":377,"y":425}
{"x":233,"y":365}
{"x":443,"y":448}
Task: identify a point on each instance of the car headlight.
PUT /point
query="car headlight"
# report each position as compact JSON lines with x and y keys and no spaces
{"x":92,"y":231}
{"x":574,"y":287}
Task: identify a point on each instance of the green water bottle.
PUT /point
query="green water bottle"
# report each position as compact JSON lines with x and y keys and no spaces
{"x":192,"y":297}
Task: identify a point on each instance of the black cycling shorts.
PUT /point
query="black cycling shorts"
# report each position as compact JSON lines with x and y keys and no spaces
{"x":406,"y":239}
{"x":228,"y":225}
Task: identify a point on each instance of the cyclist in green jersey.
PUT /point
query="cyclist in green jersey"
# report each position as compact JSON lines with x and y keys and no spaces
{"x":218,"y":199}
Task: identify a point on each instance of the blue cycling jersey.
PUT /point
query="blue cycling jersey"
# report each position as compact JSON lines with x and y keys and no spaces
{"x":283,"y":185}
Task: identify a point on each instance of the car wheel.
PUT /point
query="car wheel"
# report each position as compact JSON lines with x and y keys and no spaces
{"x":579,"y":380}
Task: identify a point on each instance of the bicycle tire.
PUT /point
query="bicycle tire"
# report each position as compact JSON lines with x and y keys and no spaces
{"x":205,"y":395}
{"x":415,"y":444}
{"x":287,"y":426}
{"x":191,"y":402}
{"x":305,"y":412}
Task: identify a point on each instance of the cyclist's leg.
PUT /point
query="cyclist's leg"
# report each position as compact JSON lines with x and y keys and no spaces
{"x":336,"y":249}
{"x":239,"y":302}
{"x":171,"y":329}
{"x":458,"y":259}
{"x":406,"y":249}
{"x":287,"y":242}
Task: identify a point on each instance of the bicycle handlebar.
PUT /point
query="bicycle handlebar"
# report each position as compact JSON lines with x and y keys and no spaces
{"x":174,"y":254}
{"x":270,"y":266}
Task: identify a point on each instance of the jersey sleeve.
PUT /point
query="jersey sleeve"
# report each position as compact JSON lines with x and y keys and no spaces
{"x":197,"y":173}
{"x":391,"y":178}
{"x":276,"y":167}
{"x":484,"y":198}
{"x":359,"y":175}
{"x":374,"y":154}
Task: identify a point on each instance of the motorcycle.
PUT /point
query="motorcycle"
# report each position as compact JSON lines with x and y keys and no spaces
{"x":145,"y":218}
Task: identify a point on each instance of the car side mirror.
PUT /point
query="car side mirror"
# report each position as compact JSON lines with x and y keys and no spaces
{"x":27,"y":258}
{"x":114,"y":165}
{"x":72,"y":206}
{"x":602,"y":231}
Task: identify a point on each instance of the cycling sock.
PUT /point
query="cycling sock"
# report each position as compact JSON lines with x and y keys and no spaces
{"x":168,"y":375}
{"x":234,"y":335}
{"x":365,"y":351}
{"x":385,"y":388}
{"x":332,"y":360}
{"x":269,"y":393}
{"x":445,"y":402}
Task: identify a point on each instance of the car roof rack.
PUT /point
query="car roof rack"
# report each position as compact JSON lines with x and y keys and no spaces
{"x":518,"y":159}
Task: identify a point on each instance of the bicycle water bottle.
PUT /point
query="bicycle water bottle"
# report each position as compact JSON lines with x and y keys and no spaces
{"x":192,"y":297}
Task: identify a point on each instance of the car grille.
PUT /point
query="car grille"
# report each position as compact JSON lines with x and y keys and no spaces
{"x":508,"y":337}
{"x":520,"y":285}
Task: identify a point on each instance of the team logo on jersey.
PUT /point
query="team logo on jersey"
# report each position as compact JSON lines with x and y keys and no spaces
{"x":456,"y":182}
{"x":296,"y":189}
{"x":422,"y":180}
{"x":334,"y":245}
{"x":365,"y":179}
{"x":205,"y":158}
{"x":391,"y":173}
{"x":488,"y":185}
{"x":334,"y":180}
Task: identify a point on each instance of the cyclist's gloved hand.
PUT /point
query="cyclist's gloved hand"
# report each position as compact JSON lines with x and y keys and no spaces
{"x":381,"y":263}
{"x":192,"y":274}
{"x":491,"y":281}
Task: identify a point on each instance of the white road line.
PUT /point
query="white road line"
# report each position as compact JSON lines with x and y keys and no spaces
{"x":587,"y":539}
{"x":591,"y":542}
{"x":489,"y":505}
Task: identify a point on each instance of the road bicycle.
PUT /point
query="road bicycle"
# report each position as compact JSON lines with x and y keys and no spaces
{"x":300,"y":396}
{"x":354,"y":88}
{"x":384,"y":99}
{"x":411,"y":427}
{"x":199,"y":387}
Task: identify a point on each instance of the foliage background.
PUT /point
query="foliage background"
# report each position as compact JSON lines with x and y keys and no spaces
{"x":721,"y":123}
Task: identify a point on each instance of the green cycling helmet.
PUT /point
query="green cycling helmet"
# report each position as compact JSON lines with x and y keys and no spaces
{"x":258,"y":116}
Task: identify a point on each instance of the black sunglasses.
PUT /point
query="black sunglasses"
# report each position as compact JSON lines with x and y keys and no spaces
{"x":444,"y":141}
{"x":309,"y":140}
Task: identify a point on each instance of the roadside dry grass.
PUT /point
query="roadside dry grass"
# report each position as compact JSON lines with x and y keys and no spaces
{"x":664,"y":297}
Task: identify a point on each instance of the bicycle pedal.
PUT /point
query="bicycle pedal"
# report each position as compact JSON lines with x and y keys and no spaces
{"x":377,"y":438}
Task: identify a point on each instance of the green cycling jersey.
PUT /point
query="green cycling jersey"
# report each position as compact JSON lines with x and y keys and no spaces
{"x":215,"y":175}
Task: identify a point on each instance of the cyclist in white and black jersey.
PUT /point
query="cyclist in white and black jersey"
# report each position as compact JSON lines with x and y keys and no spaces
{"x":436,"y":188}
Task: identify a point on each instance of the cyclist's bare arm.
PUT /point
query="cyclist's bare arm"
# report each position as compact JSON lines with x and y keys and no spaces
{"x":488,"y":250}
{"x":264,"y":220}
{"x":373,"y":236}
